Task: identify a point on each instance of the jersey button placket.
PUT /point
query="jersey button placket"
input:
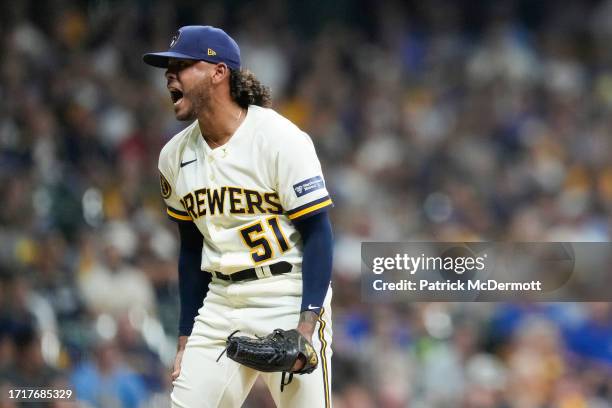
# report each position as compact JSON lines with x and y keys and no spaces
{"x":210,"y":175}
{"x":211,"y":167}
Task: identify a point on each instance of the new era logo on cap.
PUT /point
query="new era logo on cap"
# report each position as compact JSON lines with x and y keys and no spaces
{"x":202,"y":43}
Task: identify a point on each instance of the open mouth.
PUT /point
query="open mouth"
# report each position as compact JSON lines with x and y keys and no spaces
{"x":176,"y":96}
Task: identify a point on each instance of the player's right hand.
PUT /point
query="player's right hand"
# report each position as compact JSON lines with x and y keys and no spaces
{"x":176,"y":370}
{"x":180,"y":350}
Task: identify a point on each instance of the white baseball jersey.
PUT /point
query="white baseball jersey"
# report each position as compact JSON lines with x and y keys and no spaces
{"x":244,"y":195}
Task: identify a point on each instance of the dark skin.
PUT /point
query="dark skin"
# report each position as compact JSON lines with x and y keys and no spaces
{"x":201,"y":90}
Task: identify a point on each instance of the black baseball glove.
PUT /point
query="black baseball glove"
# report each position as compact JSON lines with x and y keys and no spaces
{"x":276,"y":352}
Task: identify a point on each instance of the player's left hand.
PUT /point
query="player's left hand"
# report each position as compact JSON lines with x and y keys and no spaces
{"x":299,"y":364}
{"x":306,"y":327}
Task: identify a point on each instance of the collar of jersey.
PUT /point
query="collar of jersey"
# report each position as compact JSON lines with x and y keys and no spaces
{"x":232,"y":140}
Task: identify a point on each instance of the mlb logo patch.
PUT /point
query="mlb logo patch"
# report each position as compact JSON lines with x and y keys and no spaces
{"x":308,"y":186}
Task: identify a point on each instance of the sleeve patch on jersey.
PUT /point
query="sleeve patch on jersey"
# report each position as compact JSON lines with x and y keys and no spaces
{"x":308,"y":186}
{"x":166,"y":190}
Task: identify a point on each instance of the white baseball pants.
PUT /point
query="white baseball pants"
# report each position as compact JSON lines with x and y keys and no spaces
{"x":255,"y":308}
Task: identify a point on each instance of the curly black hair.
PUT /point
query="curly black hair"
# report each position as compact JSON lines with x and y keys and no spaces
{"x":246,"y":89}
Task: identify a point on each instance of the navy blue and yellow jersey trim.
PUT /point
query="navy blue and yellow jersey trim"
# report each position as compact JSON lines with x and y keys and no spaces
{"x":312,"y":208}
{"x":179,"y":216}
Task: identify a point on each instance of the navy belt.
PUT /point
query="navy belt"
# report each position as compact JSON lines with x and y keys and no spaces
{"x":258,"y":272}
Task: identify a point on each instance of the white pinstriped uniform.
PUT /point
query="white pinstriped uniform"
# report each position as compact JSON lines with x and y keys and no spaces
{"x":244,"y":197}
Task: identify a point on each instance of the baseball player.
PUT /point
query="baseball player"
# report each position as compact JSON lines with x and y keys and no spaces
{"x":246,"y":188}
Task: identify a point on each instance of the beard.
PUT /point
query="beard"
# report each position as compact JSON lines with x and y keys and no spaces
{"x":196,"y":100}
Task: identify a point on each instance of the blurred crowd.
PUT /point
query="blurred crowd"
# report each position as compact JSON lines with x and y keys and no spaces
{"x":434,"y":121}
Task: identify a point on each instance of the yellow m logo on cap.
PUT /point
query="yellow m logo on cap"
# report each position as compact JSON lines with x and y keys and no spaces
{"x":211,"y":52}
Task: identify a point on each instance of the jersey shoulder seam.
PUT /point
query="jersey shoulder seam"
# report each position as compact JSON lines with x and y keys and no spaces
{"x":282,"y":129}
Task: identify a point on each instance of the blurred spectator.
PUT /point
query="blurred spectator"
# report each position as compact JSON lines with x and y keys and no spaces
{"x":592,"y":337}
{"x":105,"y":381}
{"x":29,"y":368}
{"x":110,"y":284}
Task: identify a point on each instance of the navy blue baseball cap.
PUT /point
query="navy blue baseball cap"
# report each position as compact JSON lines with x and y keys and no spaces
{"x":202,"y":43}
